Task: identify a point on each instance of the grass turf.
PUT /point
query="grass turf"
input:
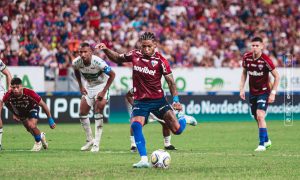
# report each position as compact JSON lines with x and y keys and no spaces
{"x":219,"y":150}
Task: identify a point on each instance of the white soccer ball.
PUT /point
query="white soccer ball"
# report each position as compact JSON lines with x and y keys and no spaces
{"x":160,"y":159}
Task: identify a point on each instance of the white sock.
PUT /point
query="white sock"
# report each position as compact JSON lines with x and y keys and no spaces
{"x":132,"y":141}
{"x":98,"y":128}
{"x":1,"y":131}
{"x":87,"y":128}
{"x":167,"y":141}
{"x":98,"y":131}
{"x":144,"y":158}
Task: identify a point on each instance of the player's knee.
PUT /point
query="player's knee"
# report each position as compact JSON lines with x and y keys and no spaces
{"x":98,"y":119}
{"x":83,"y":116}
{"x":136,"y":125}
{"x":260,"y":116}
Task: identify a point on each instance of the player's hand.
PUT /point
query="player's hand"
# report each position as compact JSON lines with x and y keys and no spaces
{"x":242,"y":95}
{"x":101,"y":46}
{"x":177,"y":106}
{"x":83,"y":91}
{"x":16,"y":118}
{"x":100,"y":95}
{"x":51,"y":123}
{"x":271,"y":98}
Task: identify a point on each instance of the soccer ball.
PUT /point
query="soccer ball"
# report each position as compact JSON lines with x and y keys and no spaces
{"x":160,"y":159}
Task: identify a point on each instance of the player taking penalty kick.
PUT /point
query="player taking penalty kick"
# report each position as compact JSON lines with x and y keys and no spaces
{"x":24,"y":104}
{"x":258,"y":65}
{"x":148,"y":68}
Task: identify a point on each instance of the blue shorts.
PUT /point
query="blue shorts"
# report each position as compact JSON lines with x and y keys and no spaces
{"x":258,"y":102}
{"x":156,"y":106}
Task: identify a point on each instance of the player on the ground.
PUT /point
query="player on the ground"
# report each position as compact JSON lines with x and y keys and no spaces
{"x":99,"y":76}
{"x":148,"y":68}
{"x":165,"y":130}
{"x":258,"y":65}
{"x":7,"y":74}
{"x":24,"y":104}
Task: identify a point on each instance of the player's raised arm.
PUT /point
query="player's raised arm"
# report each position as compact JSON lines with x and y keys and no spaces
{"x":242,"y":84}
{"x":47,"y":111}
{"x":112,"y":55}
{"x":276,"y":76}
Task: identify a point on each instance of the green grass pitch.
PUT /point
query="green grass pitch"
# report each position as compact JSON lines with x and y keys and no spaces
{"x":218,"y":150}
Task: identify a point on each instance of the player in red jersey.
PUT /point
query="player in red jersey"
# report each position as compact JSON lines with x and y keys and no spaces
{"x":24,"y":104}
{"x":148,"y":68}
{"x":258,"y":65}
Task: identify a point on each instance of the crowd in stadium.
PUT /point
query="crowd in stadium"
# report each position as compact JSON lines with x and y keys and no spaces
{"x":208,"y":33}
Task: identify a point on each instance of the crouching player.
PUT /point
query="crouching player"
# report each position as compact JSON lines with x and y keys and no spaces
{"x":24,"y":104}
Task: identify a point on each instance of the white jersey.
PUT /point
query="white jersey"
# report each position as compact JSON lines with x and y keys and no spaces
{"x":2,"y":89}
{"x":94,"y":74}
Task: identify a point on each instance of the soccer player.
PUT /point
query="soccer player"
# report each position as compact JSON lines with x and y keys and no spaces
{"x":165,"y":130}
{"x":99,"y":76}
{"x":148,"y":68}
{"x":24,"y":104}
{"x":7,"y":74}
{"x":258,"y":65}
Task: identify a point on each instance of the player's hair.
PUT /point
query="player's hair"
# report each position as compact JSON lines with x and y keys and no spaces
{"x":85,"y":44}
{"x":15,"y":81}
{"x":147,"y":36}
{"x":257,"y":39}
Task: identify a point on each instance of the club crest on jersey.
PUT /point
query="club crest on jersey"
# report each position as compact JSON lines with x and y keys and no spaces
{"x":154,"y":63}
{"x":260,"y":66}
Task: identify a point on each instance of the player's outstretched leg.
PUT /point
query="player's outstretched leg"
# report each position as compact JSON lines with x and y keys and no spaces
{"x":98,"y":131}
{"x":141,"y":145}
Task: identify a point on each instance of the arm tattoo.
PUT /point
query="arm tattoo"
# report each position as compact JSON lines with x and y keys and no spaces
{"x":171,"y":83}
{"x":114,"y":56}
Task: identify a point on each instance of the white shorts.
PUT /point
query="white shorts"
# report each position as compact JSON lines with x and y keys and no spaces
{"x":2,"y":92}
{"x":92,"y":94}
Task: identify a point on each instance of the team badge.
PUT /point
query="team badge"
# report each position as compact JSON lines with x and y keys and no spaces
{"x":154,"y":63}
{"x":260,"y":66}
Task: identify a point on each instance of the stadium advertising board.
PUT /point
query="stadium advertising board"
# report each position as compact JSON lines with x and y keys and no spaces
{"x":200,"y":80}
{"x":63,"y":108}
{"x":211,"y":108}
{"x":203,"y":107}
{"x":32,"y":77}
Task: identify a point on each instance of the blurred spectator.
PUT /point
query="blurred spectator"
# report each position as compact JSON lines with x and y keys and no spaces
{"x":189,"y":33}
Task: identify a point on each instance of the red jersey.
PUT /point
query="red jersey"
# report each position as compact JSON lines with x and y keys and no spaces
{"x":258,"y":71}
{"x":22,"y":105}
{"x":147,"y":73}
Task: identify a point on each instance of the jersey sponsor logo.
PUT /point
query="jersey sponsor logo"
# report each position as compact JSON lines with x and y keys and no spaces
{"x":145,"y":70}
{"x":146,"y":60}
{"x":249,"y":59}
{"x":255,"y":73}
{"x":260,"y":61}
{"x":154,"y":63}
{"x":253,"y":65}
